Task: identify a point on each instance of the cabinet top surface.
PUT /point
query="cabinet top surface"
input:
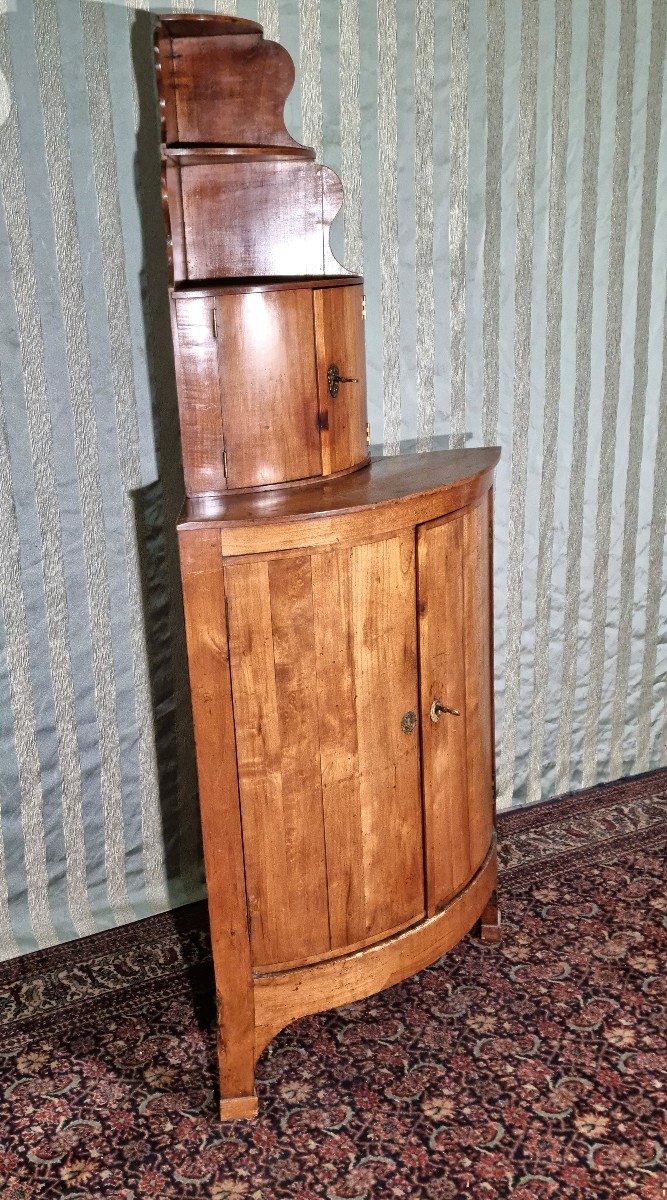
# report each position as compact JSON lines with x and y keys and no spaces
{"x":401,"y":479}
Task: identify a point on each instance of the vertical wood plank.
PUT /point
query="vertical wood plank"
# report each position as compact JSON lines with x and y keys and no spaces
{"x":204,"y":601}
{"x":385,"y":656}
{"x":442,"y":677}
{"x":200,"y":412}
{"x":273,"y":671}
{"x":290,"y":584}
{"x":332,"y":602}
{"x":479,"y":713}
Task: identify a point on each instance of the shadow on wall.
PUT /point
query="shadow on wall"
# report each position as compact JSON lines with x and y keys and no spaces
{"x":157,"y":507}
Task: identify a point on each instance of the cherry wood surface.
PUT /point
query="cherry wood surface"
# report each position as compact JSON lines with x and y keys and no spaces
{"x":270,"y":217}
{"x":489,"y":922}
{"x":453,"y":602}
{"x":275,"y":712}
{"x":241,"y":197}
{"x":199,"y":400}
{"x":224,"y":83}
{"x":210,"y":685}
{"x":479,"y":679}
{"x":339,"y":341}
{"x":324,"y":669}
{"x":396,"y":480}
{"x":207,"y":25}
{"x":255,"y":406}
{"x":333,"y":606}
{"x":336,"y":655}
{"x":268,"y":387}
{"x":370,"y":503}
{"x":441,"y":646}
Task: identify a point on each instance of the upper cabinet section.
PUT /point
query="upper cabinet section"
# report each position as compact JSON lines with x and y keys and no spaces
{"x":222,"y":90}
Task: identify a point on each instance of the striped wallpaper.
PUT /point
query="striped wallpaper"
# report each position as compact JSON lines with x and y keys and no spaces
{"x":505,"y":167}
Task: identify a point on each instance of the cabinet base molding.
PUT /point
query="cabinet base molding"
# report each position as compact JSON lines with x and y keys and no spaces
{"x":235,"y":1108}
{"x":285,"y":996}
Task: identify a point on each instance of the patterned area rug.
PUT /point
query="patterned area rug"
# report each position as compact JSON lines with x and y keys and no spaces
{"x":532,"y":1069}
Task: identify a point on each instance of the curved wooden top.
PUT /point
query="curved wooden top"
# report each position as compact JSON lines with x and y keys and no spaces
{"x":390,"y":494}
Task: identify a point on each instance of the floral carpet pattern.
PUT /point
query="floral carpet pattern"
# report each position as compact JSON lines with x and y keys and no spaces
{"x":536,"y":1068}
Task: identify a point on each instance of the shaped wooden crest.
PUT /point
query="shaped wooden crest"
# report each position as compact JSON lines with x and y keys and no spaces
{"x":242,"y":198}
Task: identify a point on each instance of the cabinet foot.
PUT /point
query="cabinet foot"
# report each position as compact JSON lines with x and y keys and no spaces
{"x":235,"y":1108}
{"x":489,"y":923}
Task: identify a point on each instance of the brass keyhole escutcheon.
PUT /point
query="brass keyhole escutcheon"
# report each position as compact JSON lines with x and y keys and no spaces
{"x":408,"y":722}
{"x":437,"y":709}
{"x":334,"y":379}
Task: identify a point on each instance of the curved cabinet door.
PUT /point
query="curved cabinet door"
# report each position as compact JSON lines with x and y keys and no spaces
{"x":323,"y":652}
{"x":255,"y":402}
{"x":455,"y":674}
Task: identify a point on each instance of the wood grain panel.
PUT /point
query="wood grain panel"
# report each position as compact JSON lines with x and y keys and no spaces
{"x":273,"y":668}
{"x":339,"y":758}
{"x":479,"y":713}
{"x":265,"y":218}
{"x":442,"y":676}
{"x":204,"y":601}
{"x":339,"y":328}
{"x":384,"y":645}
{"x":196,"y":357}
{"x":268,"y":387}
{"x":231,"y":90}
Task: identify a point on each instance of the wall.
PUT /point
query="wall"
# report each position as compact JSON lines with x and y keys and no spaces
{"x":502,"y":164}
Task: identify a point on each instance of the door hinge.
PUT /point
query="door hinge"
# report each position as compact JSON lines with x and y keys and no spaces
{"x":224,"y":462}
{"x":368,"y":434}
{"x":363,"y":308}
{"x":215,"y":322}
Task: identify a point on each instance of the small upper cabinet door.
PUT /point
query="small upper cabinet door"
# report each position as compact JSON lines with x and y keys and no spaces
{"x":196,"y":355}
{"x":323,"y":653}
{"x":256,"y":370}
{"x":339,"y":330}
{"x":456,"y":699}
{"x":266,"y":357}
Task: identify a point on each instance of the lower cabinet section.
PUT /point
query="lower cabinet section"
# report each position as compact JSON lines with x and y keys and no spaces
{"x":350,"y":837}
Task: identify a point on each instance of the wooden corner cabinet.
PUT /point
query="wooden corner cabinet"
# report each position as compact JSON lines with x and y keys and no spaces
{"x":338,"y":611}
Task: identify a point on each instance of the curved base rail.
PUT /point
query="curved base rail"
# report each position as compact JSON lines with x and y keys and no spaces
{"x":284,"y":996}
